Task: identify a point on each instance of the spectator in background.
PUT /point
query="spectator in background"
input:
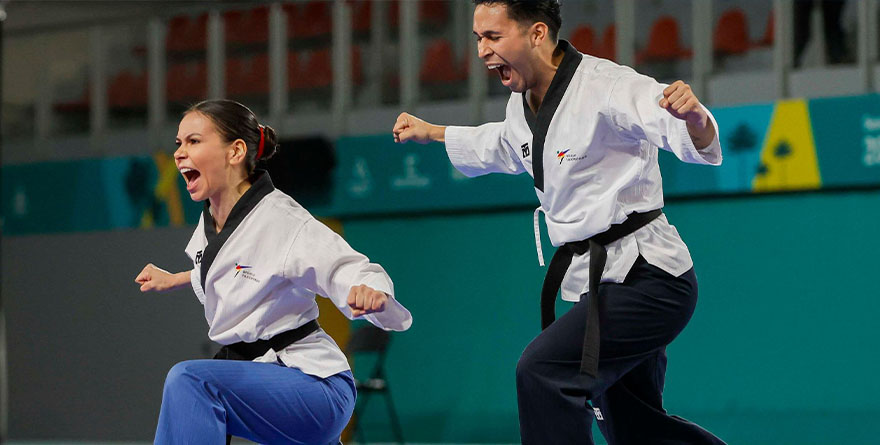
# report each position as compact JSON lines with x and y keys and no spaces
{"x":835,"y":47}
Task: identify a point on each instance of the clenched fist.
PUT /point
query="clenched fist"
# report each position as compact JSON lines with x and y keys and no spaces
{"x":363,"y":300}
{"x":154,"y":278}
{"x":681,"y":102}
{"x":411,"y":128}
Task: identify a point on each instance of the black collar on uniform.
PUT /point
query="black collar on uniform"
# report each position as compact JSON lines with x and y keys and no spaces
{"x":540,"y":123}
{"x":261,"y":185}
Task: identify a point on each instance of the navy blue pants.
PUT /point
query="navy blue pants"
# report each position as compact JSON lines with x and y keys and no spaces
{"x":204,"y":400}
{"x":638,"y":318}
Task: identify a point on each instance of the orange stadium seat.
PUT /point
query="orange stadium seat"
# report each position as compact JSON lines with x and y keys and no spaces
{"x":731,"y":33}
{"x":583,"y":39}
{"x":439,"y":64}
{"x":663,"y":43}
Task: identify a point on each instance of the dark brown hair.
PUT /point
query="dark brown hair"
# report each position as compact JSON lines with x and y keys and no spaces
{"x":529,"y":12}
{"x":236,"y":121}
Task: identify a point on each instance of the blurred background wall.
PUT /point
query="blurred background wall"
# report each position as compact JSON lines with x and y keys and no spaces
{"x":780,"y":350}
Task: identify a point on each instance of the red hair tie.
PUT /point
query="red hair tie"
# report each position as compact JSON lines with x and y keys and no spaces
{"x":262,"y":142}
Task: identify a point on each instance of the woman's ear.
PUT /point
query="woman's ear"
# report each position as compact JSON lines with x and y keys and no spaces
{"x":237,"y":152}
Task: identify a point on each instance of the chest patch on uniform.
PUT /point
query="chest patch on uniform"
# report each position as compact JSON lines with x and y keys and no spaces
{"x":245,"y":272}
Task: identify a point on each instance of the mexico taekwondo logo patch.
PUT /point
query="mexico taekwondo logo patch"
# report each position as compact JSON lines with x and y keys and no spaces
{"x":245,"y":272}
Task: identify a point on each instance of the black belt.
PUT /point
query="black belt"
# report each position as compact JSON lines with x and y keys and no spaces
{"x":250,"y":351}
{"x":559,"y":265}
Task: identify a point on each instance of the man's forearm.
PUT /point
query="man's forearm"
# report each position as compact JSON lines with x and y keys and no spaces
{"x":701,"y":135}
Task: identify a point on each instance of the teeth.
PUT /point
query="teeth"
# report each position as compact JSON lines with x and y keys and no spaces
{"x":185,"y":170}
{"x":492,"y":67}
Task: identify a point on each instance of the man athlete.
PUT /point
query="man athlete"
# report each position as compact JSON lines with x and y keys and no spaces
{"x":588,"y":131}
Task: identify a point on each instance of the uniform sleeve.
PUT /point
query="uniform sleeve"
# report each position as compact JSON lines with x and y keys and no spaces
{"x":633,"y":106}
{"x":321,"y":261}
{"x":476,"y":151}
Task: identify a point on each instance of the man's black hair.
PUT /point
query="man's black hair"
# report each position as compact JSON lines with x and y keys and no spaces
{"x":529,"y":12}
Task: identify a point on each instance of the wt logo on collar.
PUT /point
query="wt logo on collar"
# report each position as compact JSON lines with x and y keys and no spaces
{"x":525,"y":150}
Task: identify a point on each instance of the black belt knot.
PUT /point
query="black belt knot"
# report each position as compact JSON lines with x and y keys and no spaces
{"x":595,"y":245}
{"x":250,"y":351}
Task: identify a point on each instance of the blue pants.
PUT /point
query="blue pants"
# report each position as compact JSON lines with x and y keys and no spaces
{"x":204,"y":400}
{"x":638,"y":318}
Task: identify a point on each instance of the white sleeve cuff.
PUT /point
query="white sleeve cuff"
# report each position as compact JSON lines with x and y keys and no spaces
{"x":196,"y":282}
{"x":708,"y":155}
{"x":463,"y":159}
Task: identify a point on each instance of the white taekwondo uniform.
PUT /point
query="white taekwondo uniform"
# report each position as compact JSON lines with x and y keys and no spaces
{"x":258,"y":277}
{"x":599,"y":162}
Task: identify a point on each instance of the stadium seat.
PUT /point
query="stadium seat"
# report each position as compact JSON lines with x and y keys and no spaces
{"x":583,"y":39}
{"x":310,"y":20}
{"x":127,"y":90}
{"x":769,"y":31}
{"x":247,"y":76}
{"x":731,"y":33}
{"x":608,"y":48}
{"x":187,"y":34}
{"x":439,"y":65}
{"x":361,"y":11}
{"x":663,"y":43}
{"x":186,"y":81}
{"x":318,"y":72}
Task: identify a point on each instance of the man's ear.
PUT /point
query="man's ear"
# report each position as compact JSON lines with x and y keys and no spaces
{"x":539,"y":34}
{"x":237,"y":152}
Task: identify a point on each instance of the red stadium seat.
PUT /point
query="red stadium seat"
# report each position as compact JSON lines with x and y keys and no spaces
{"x":127,"y":90}
{"x":439,"y":64}
{"x":318,"y":71}
{"x":434,"y":13}
{"x":731,"y":33}
{"x":361,"y":11}
{"x":769,"y":32}
{"x":187,"y":34}
{"x":583,"y":39}
{"x":295,"y":79}
{"x":357,"y":66}
{"x":663,"y":43}
{"x":186,"y":81}
{"x":312,"y":20}
{"x":608,"y":48}
{"x":247,"y":76}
